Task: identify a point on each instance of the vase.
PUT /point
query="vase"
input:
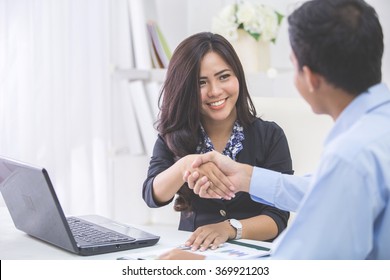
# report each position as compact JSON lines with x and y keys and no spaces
{"x":254,"y":55}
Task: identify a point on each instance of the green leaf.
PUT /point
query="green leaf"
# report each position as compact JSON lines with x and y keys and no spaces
{"x":280,"y":17}
{"x":255,"y":35}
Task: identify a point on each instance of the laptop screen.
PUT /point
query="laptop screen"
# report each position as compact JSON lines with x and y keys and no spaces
{"x":33,"y":204}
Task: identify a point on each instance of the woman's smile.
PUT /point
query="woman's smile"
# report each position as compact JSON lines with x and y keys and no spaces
{"x":216,"y":105}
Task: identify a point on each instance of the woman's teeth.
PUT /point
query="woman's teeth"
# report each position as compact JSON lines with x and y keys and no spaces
{"x":217,"y":103}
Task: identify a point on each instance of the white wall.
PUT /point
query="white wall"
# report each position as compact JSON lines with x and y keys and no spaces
{"x":382,"y":7}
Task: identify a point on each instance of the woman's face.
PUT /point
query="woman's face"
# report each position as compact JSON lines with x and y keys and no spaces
{"x":219,"y":89}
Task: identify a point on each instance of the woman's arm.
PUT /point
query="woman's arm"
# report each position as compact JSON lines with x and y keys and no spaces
{"x":167,"y":183}
{"x":161,"y":160}
{"x":261,"y":227}
{"x":165,"y":175}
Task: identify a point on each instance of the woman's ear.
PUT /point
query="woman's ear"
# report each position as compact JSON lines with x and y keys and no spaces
{"x":311,"y":79}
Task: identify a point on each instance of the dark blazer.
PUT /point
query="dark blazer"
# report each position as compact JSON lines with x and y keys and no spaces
{"x":265,"y":145}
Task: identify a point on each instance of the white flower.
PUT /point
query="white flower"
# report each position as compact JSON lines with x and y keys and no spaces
{"x":260,"y":21}
{"x":246,"y":14}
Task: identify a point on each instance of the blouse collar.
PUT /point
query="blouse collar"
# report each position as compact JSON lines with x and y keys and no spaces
{"x":233,"y":146}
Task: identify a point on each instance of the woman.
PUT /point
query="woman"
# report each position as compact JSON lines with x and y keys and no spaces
{"x":205,"y":105}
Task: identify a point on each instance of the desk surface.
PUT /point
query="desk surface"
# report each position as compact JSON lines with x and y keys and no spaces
{"x":16,"y":245}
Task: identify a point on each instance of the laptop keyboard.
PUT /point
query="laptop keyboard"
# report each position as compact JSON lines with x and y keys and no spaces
{"x":94,"y":234}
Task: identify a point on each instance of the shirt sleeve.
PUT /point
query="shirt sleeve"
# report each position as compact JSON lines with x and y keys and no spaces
{"x":272,"y":183}
{"x":270,"y":147}
{"x":334,"y":218}
{"x":276,"y":189}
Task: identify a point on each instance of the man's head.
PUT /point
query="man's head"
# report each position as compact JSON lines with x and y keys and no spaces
{"x":341,"y":40}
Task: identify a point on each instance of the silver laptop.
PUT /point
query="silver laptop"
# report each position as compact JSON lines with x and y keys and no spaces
{"x":35,"y":210}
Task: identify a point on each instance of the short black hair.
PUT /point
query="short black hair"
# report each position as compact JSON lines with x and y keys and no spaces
{"x":342,"y":40}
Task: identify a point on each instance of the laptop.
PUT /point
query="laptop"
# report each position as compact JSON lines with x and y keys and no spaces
{"x":35,"y":209}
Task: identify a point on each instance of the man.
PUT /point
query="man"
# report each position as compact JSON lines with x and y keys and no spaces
{"x":343,"y":209}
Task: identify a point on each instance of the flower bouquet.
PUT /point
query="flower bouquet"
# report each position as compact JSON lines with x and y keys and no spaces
{"x":250,"y":27}
{"x":259,"y":21}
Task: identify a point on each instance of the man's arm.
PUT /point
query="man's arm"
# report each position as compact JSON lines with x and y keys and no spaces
{"x":276,"y":189}
{"x":337,"y":217}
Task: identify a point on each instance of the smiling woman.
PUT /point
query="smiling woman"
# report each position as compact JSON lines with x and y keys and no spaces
{"x":205,"y":105}
{"x":219,"y":91}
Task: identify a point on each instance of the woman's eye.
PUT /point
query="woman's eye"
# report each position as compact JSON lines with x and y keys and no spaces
{"x":202,"y":83}
{"x":224,"y":77}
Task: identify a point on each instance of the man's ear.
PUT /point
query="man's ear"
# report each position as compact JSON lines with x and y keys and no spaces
{"x":312,"y":79}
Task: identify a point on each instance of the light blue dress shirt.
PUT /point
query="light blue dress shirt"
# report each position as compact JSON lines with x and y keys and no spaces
{"x":343,"y":209}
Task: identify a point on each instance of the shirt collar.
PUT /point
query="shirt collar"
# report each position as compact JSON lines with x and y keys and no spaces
{"x":365,"y":102}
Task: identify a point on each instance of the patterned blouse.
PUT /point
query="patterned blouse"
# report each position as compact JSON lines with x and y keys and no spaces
{"x":233,"y":146}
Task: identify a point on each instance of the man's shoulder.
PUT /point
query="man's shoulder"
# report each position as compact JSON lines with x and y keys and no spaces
{"x":368,"y":139}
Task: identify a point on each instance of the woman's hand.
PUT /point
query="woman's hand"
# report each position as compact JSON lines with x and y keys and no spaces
{"x":210,"y":236}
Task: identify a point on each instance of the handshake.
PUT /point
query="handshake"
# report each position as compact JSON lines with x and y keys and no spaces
{"x":213,"y":175}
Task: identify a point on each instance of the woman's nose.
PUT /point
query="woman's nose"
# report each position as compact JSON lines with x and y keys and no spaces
{"x":215,"y":90}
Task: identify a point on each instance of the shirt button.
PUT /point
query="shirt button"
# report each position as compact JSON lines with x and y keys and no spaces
{"x":222,"y":212}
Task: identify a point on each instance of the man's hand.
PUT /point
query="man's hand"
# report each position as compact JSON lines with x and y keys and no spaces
{"x":178,"y":254}
{"x":230,"y":178}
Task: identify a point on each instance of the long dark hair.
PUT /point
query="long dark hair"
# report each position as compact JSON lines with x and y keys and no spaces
{"x":179,"y":101}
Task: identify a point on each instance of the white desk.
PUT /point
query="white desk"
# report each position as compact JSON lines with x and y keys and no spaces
{"x":16,"y":245}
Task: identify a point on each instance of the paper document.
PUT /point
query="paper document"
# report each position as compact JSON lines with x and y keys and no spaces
{"x":233,"y":250}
